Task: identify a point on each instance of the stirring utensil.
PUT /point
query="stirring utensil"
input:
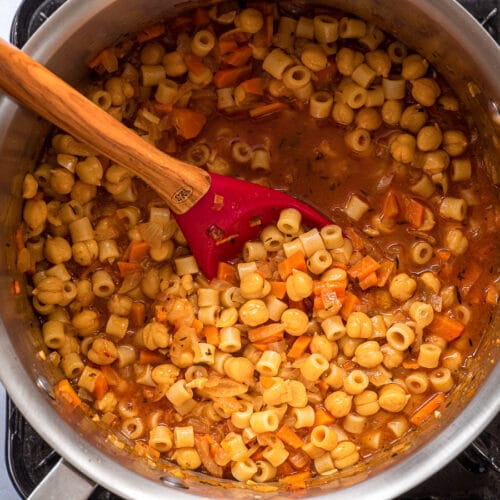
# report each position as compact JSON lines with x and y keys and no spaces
{"x":216,"y":214}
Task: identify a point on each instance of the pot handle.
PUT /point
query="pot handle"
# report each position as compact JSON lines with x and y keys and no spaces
{"x":63,"y":481}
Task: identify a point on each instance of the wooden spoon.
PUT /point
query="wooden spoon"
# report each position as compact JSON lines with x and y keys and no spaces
{"x":216,"y":214}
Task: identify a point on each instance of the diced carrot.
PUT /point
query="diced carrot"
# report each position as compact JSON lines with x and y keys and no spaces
{"x":289,"y":437}
{"x":261,"y":346}
{"x":19,"y":239}
{"x":470,"y":276}
{"x":414,"y":211}
{"x":137,"y":250}
{"x":350,"y":302}
{"x":188,"y":123}
{"x":295,"y":261}
{"x":267,"y":333}
{"x":337,"y":286}
{"x":63,"y":390}
{"x":356,"y":239}
{"x":425,"y":410}
{"x":137,"y":314}
{"x":194,"y":64}
{"x":384,"y":271}
{"x":324,"y":76}
{"x":443,"y":255}
{"x":323,"y":417}
{"x":278,"y":289}
{"x":126,"y":268}
{"x":230,"y":77}
{"x":369,"y":281}
{"x":101,"y":386}
{"x":447,"y":328}
{"x":147,"y":357}
{"x":107,"y":58}
{"x":390,"y":207}
{"x":111,"y":375}
{"x":410,"y":364}
{"x":363,"y":268}
{"x":211,"y":333}
{"x":151,"y":32}
{"x":299,"y":347}
{"x":227,"y":45}
{"x":227,"y":272}
{"x":267,"y":109}
{"x":239,"y":56}
{"x":253,"y":86}
{"x":296,"y":481}
{"x":181,"y":23}
{"x":297,"y":304}
{"x":197,"y":325}
{"x":201,"y":17}
{"x":16,"y":287}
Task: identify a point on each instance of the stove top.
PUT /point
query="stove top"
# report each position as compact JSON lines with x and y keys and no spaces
{"x":473,"y":475}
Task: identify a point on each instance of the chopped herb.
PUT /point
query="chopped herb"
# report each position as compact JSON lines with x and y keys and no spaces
{"x":215,"y":232}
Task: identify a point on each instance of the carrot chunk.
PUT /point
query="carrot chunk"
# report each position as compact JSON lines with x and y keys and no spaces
{"x":151,"y":32}
{"x":126,"y":268}
{"x":385,"y":271}
{"x":101,"y":386}
{"x":137,"y":314}
{"x":63,"y":390}
{"x":447,"y":328}
{"x":253,"y":86}
{"x":299,"y":347}
{"x":295,"y":261}
{"x":137,"y":250}
{"x":239,"y":56}
{"x":230,"y":77}
{"x":414,"y":211}
{"x":363,"y":268}
{"x":188,"y":123}
{"x":425,"y":410}
{"x":147,"y":357}
{"x":323,"y":417}
{"x":267,"y":109}
{"x":289,"y":436}
{"x":267,"y":333}
{"x":227,"y":272}
{"x":349,"y":305}
{"x":278,"y":289}
{"x":211,"y":334}
{"x":296,"y":481}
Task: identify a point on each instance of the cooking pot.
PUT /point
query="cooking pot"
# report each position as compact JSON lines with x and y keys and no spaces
{"x":454,"y":43}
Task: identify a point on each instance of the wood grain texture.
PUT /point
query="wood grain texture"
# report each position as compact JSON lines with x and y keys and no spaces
{"x":37,"y":88}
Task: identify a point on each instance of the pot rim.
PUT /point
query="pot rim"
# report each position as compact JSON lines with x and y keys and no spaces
{"x":36,"y":406}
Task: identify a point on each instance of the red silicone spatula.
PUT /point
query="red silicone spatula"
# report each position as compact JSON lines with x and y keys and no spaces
{"x":217,"y":214}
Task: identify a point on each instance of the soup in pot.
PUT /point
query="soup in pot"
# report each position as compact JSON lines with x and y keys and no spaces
{"x":316,"y":347}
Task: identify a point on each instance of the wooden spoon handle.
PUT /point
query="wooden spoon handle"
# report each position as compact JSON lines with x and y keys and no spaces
{"x":37,"y":88}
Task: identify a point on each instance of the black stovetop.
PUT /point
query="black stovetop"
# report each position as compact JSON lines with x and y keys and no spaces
{"x":473,"y":475}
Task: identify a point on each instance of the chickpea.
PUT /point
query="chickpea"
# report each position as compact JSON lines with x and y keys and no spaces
{"x":429,"y":137}
{"x":413,"y":118}
{"x":402,"y":287}
{"x":102,"y":352}
{"x":35,"y":213}
{"x":403,"y":148}
{"x":414,"y":66}
{"x":359,"y":325}
{"x":455,"y":142}
{"x":254,"y":312}
{"x":57,"y":250}
{"x":425,"y":91}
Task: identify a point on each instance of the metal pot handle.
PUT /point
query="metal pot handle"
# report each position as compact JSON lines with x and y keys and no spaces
{"x":60,"y":481}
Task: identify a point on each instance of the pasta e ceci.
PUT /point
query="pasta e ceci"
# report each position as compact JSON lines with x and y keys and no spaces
{"x":318,"y":346}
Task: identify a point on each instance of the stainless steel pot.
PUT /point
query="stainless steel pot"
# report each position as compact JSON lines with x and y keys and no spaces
{"x":459,"y":49}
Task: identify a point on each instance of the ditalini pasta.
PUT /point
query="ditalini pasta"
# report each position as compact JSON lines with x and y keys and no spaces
{"x":317,"y":346}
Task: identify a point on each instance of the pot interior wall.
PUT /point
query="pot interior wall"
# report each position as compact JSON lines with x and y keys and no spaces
{"x":65,"y":51}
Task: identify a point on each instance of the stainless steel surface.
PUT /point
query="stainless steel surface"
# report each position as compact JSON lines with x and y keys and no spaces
{"x":55,"y":485}
{"x":444,"y":30}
